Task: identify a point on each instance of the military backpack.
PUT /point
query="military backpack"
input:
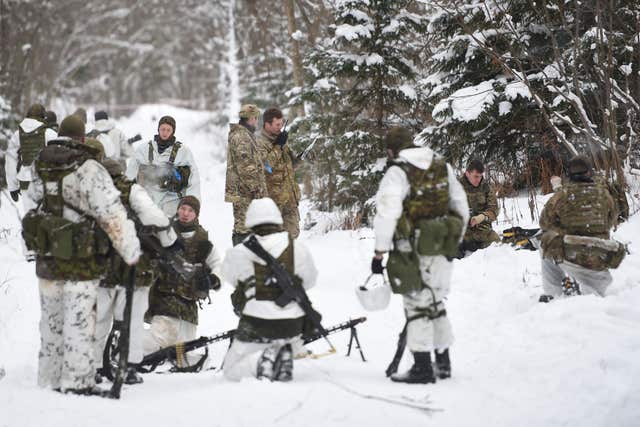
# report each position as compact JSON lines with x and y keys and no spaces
{"x":30,"y":144}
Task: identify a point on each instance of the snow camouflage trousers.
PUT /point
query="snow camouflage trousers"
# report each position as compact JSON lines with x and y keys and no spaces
{"x":424,"y":334}
{"x":241,"y":361}
{"x":67,"y":325}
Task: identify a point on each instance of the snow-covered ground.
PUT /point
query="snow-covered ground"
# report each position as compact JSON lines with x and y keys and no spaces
{"x":573,"y":362}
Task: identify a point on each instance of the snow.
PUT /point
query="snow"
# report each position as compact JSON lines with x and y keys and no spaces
{"x":504,"y":107}
{"x":352,"y":32}
{"x":515,"y":362}
{"x":467,"y":104}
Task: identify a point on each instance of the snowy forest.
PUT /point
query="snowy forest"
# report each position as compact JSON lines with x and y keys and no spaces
{"x":522,"y":85}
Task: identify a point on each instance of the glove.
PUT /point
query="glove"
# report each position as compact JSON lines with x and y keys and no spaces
{"x":376,"y":265}
{"x":15,"y":195}
{"x":176,"y":248}
{"x":203,"y":281}
{"x":215,"y":282}
{"x":281,"y":139}
{"x":478,"y":219}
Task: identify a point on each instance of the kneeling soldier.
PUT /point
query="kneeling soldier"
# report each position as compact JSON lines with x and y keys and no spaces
{"x":173,"y":301}
{"x":262,"y":346}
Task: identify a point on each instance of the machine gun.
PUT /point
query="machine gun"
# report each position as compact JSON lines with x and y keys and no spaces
{"x":172,"y":260}
{"x":521,"y":238}
{"x":176,"y":354}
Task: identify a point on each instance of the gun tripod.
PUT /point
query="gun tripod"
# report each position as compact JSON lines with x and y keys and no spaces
{"x":354,"y":337}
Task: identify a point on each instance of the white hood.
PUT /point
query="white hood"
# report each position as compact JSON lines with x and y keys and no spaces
{"x":104,"y":125}
{"x":420,"y":157}
{"x":29,"y":125}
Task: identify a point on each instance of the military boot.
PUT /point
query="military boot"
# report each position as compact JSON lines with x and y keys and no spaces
{"x":132,"y":376}
{"x":443,"y":364}
{"x":266,"y":363}
{"x":87,"y":391}
{"x":283,"y":366}
{"x":420,"y":373}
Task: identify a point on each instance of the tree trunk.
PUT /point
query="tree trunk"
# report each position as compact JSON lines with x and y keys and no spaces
{"x":296,"y":59}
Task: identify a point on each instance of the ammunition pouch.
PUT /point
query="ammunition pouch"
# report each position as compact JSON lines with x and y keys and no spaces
{"x":239,"y":296}
{"x":403,"y":268}
{"x":438,"y":236}
{"x":552,"y":245}
{"x":592,"y":252}
{"x":50,"y":235}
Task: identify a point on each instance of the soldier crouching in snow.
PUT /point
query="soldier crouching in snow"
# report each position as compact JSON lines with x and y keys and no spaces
{"x":577,"y":250}
{"x":421,"y":213}
{"x":262,"y":346}
{"x":173,"y":301}
{"x":79,"y":216}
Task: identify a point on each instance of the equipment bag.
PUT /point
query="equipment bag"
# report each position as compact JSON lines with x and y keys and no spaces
{"x":403,"y":269}
{"x":593,"y":253}
{"x":439,"y":236}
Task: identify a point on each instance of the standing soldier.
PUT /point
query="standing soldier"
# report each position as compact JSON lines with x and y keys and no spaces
{"x":111,"y":295}
{"x":277,"y":159}
{"x":483,"y":208}
{"x":577,"y":251}
{"x":420,"y":218}
{"x":115,"y":143}
{"x":22,"y":150}
{"x":165,"y":168}
{"x":173,"y":302}
{"x":79,"y":215}
{"x":245,"y":171}
{"x":262,"y":345}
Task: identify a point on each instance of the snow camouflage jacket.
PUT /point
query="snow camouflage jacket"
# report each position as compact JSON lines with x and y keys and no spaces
{"x":395,"y":188}
{"x":87,"y":191}
{"x":170,"y":295}
{"x":278,"y":170}
{"x":114,"y":141}
{"x":27,"y":170}
{"x":482,"y":200}
{"x":245,"y":172}
{"x":155,"y":167}
{"x":261,"y":318}
{"x":137,"y":202}
{"x":578,"y":208}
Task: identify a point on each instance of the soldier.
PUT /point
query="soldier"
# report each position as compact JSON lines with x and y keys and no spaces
{"x":173,"y":302}
{"x":483,"y":208}
{"x":115,"y":143}
{"x":262,"y":345}
{"x":577,"y":251}
{"x":51,"y":120}
{"x":278,"y":160}
{"x":421,"y":213}
{"x":23,"y":148}
{"x":165,"y":168}
{"x":245,"y":172}
{"x":79,"y":216}
{"x":111,"y":296}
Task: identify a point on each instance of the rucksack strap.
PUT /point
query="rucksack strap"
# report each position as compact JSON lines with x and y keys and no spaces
{"x":174,"y":151}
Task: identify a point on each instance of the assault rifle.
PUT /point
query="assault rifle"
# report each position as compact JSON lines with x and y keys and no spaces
{"x":175,"y":354}
{"x":290,"y":292}
{"x":172,"y":260}
{"x":521,"y":238}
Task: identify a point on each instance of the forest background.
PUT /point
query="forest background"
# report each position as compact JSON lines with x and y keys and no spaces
{"x":522,"y":85}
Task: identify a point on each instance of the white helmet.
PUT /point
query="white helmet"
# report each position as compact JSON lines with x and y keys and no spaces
{"x":375,"y":297}
{"x":262,"y":211}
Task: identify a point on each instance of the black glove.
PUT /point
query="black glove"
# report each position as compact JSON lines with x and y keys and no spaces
{"x":15,"y":195}
{"x":215,"y":282}
{"x":376,"y":266}
{"x":176,"y":247}
{"x":281,"y":139}
{"x":203,"y":281}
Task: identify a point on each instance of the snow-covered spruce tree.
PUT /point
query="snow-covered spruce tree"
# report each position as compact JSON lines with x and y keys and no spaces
{"x":519,"y":83}
{"x":360,"y":81}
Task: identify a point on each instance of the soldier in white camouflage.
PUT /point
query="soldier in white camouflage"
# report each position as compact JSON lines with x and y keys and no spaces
{"x":245,"y":178}
{"x":79,"y":217}
{"x":576,"y":246}
{"x":23,"y":148}
{"x":113,"y":139}
{"x":278,"y":160}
